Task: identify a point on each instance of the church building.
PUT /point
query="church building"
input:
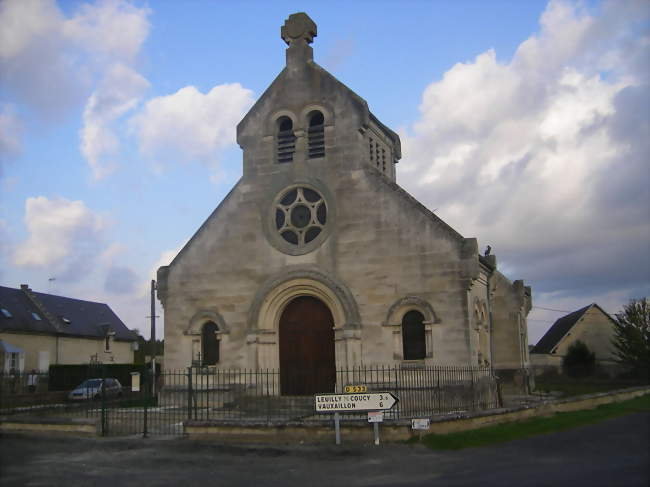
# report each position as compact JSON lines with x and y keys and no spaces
{"x":317,"y":260}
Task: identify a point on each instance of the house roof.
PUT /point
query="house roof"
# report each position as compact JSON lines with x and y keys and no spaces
{"x":560,"y":328}
{"x":9,"y":348}
{"x":58,"y":315}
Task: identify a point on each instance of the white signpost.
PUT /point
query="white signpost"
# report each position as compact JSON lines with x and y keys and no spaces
{"x":370,"y":401}
{"x":357,"y":402}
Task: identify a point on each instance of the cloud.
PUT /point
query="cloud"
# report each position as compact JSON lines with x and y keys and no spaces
{"x":120,"y":280}
{"x":165,"y":258}
{"x":4,"y":245}
{"x":10,"y":134}
{"x":338,"y":53}
{"x":65,"y":237}
{"x":113,"y":29}
{"x":544,"y":157}
{"x":50,"y":64}
{"x":118,"y":93}
{"x":33,"y":60}
{"x":190,"y":125}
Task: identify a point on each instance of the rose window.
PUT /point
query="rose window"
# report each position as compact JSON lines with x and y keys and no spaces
{"x":300,"y":215}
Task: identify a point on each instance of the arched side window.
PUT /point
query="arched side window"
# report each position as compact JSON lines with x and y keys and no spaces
{"x":209,"y":344}
{"x":316,"y":135}
{"x":413,"y":337}
{"x":286,"y":140}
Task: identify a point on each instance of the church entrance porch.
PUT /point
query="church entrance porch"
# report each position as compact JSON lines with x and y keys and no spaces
{"x":307,"y":364}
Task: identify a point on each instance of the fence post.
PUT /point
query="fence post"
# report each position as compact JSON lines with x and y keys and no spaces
{"x":473,"y":387}
{"x":499,"y":395}
{"x":104,"y":415}
{"x":147,"y":380}
{"x":189,"y":393}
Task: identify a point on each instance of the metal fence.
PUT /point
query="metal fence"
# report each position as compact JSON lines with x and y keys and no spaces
{"x":159,"y":407}
{"x":255,"y":394}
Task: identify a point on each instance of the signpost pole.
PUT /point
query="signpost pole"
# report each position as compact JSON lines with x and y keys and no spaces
{"x":376,"y":428}
{"x":337,"y":427}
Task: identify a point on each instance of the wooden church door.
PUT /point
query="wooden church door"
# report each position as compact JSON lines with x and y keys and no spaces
{"x":307,"y":348}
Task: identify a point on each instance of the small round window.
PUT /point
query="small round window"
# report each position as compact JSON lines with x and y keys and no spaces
{"x":300,"y":215}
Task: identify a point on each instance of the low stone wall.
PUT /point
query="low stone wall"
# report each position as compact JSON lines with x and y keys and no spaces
{"x":395,"y":431}
{"x":74,"y":426}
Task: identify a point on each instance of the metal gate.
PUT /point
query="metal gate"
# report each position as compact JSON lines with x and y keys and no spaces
{"x":138,"y":411}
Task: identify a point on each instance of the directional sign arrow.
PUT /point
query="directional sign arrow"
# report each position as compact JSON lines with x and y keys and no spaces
{"x":371,"y":401}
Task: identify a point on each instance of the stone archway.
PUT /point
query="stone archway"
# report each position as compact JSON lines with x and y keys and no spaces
{"x":307,"y":364}
{"x":275,"y":295}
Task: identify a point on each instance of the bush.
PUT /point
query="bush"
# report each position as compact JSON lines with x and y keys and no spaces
{"x":579,"y":360}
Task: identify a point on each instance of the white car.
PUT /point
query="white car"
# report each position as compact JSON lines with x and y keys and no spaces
{"x":92,"y":389}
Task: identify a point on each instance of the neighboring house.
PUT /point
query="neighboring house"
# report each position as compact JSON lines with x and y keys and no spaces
{"x":38,"y":329}
{"x":317,"y":260}
{"x":591,"y":325}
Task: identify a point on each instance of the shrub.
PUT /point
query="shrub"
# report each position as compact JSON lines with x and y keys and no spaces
{"x":579,"y":360}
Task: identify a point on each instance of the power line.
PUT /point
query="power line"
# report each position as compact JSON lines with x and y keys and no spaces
{"x":551,"y":309}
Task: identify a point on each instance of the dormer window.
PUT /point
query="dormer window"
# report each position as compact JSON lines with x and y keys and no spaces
{"x":316,"y":135}
{"x":286,"y":140}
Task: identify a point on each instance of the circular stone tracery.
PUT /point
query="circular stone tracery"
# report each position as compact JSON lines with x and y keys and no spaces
{"x":300,"y":215}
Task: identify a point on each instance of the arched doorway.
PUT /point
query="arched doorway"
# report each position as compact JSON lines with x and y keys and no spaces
{"x":306,"y":347}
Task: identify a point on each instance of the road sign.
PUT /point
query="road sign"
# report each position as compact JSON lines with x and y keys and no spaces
{"x":375,"y":416}
{"x":355,"y":389}
{"x":371,"y":401}
{"x":420,"y":424}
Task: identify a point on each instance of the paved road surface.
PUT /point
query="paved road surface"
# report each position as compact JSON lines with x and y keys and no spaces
{"x":609,"y":454}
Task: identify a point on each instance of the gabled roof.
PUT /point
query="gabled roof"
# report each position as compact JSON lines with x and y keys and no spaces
{"x":72,"y":317}
{"x":560,"y":328}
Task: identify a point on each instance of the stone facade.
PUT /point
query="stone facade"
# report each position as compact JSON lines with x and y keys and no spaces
{"x":318,"y":213}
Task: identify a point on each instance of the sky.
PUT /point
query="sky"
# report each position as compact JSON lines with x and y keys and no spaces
{"x":524,"y":124}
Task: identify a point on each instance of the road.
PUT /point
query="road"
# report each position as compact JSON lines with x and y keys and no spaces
{"x":610,"y":454}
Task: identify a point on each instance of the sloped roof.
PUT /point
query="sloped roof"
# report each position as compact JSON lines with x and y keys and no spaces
{"x":74,"y":317}
{"x":9,"y":348}
{"x":560,"y":328}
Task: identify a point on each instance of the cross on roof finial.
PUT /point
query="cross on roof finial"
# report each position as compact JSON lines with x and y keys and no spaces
{"x":297,"y":28}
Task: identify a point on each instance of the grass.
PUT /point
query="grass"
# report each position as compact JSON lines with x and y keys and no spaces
{"x":536,"y":426}
{"x":578,"y":387}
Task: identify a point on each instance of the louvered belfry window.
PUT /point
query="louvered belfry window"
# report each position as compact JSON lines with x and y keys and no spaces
{"x":316,"y":135}
{"x":286,"y":140}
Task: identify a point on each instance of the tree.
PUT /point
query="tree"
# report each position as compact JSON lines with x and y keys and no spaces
{"x":144,"y":349}
{"x":632,"y":337}
{"x":579,"y":361}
